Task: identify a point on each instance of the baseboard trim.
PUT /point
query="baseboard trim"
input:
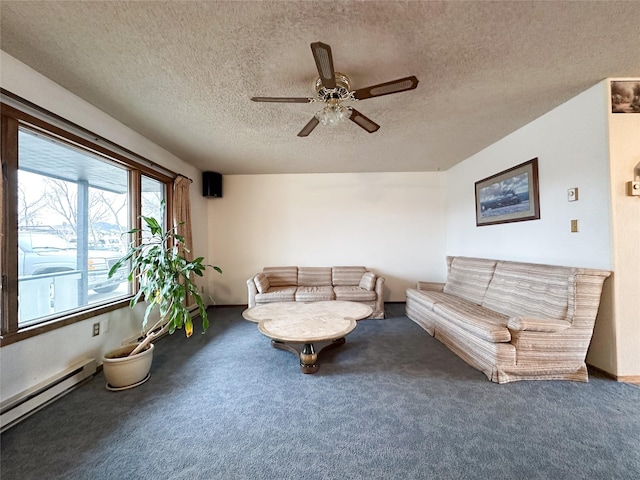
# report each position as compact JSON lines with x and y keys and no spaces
{"x":617,"y":378}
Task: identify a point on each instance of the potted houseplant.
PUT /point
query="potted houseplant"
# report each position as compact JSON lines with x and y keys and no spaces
{"x":164,"y":275}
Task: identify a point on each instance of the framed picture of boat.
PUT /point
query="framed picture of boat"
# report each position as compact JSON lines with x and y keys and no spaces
{"x":509,"y":196}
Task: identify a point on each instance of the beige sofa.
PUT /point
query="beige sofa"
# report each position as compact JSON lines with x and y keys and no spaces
{"x":313,"y":284}
{"x":513,"y":321}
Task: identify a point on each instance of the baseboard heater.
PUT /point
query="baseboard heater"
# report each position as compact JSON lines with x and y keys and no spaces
{"x":26,"y":403}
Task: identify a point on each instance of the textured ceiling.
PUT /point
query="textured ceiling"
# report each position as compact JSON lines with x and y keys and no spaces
{"x":181,"y":73}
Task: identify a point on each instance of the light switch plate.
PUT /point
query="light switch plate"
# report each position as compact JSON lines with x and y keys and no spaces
{"x":572,"y":194}
{"x":574,"y":226}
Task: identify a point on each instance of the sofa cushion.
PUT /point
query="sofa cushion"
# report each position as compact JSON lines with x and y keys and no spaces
{"x":529,"y":290}
{"x":469,"y":278}
{"x":281,"y":276}
{"x":482,"y":322}
{"x":277,"y":294}
{"x":314,"y":294}
{"x":262,"y":283}
{"x":429,"y":298}
{"x":314,"y":276}
{"x":345,"y":276}
{"x":368,"y":281}
{"x":352,"y":293}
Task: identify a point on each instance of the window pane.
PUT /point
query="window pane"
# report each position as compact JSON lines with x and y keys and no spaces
{"x":153,"y":194}
{"x":72,"y":210}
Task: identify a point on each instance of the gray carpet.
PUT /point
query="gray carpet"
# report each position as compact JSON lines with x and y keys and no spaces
{"x":392,"y":403}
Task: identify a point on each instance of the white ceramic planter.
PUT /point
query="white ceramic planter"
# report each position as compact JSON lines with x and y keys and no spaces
{"x":127,"y":372}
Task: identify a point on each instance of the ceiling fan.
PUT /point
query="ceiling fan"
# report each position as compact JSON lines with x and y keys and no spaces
{"x":333,"y":88}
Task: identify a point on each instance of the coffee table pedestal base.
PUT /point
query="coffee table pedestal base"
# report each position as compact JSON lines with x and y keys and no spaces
{"x":307,"y":352}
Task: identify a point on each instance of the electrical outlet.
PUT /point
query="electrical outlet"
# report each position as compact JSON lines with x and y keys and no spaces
{"x":574,"y":226}
{"x":96,"y":329}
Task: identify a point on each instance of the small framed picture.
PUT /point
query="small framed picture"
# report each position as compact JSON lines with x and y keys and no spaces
{"x":625,"y":97}
{"x":509,"y":196}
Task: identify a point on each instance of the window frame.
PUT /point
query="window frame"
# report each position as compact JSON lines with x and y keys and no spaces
{"x":12,"y":119}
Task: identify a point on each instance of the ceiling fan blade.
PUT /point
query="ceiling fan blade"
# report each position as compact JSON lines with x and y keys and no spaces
{"x":395,"y":86}
{"x":308,"y":128}
{"x":281,"y":99}
{"x":324,"y":63}
{"x":362,"y":121}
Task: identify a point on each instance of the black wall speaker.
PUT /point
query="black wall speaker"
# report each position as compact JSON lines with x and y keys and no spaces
{"x":211,"y":184}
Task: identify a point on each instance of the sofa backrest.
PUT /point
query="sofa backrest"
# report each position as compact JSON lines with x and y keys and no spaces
{"x":469,"y":277}
{"x":281,"y":276}
{"x":346,"y":276}
{"x":314,"y":276}
{"x":530,"y":290}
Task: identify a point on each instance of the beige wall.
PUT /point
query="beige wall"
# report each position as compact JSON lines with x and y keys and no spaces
{"x":399,"y":224}
{"x":392,"y":223}
{"x":622,"y":328}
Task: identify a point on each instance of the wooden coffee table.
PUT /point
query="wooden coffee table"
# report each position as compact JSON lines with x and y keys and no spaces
{"x":307,"y":328}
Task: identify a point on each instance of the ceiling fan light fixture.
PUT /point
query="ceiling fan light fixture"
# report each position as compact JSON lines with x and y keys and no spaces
{"x":333,"y":88}
{"x":333,"y":114}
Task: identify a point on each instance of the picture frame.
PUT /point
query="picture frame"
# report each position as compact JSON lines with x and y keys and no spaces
{"x":625,"y":96}
{"x":509,"y":196}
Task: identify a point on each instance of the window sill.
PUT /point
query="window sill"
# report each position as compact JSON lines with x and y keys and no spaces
{"x":48,"y":326}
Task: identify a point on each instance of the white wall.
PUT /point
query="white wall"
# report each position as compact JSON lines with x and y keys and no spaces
{"x":392,"y":223}
{"x":571,"y":145}
{"x":31,"y":361}
{"x":579,"y":144}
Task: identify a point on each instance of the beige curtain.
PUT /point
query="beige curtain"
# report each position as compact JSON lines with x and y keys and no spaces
{"x":182,"y":216}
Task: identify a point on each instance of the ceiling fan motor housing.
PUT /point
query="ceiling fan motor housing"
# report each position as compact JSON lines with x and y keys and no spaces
{"x":341,"y":93}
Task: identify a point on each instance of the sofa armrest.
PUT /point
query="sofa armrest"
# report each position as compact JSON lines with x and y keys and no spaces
{"x":379,"y":289}
{"x":528,"y":324}
{"x":252,"y":290}
{"x":430,"y":286}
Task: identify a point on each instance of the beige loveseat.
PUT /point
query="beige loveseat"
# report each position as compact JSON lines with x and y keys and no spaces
{"x":314,"y":284}
{"x":513,"y":321}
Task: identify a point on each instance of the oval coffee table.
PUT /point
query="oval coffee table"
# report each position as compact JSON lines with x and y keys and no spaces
{"x":307,"y":328}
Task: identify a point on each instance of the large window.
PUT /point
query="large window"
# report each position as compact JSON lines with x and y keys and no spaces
{"x":67,"y":205}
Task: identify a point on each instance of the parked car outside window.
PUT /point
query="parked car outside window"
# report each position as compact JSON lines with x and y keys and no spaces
{"x":45,"y":253}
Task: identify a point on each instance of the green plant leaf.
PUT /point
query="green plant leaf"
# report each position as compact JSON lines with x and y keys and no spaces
{"x":165,"y":277}
{"x":153,"y":225}
{"x":116,"y":266}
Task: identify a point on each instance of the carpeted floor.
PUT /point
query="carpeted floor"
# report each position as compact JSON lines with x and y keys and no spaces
{"x":392,"y":403}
